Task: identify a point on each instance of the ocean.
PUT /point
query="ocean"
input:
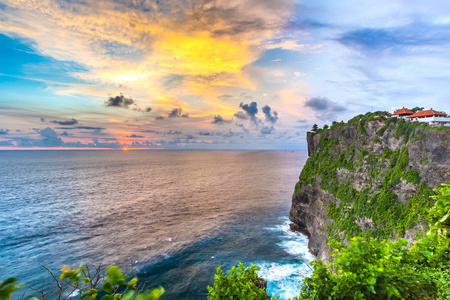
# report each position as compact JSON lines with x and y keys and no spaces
{"x":170,"y":217}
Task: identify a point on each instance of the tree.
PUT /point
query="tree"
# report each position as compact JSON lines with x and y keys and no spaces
{"x":416,"y":109}
{"x":314,"y":128}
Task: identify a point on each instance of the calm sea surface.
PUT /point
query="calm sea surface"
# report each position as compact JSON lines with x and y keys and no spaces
{"x":170,"y":216}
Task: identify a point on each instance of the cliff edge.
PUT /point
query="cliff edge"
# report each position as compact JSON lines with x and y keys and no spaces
{"x":370,"y":177}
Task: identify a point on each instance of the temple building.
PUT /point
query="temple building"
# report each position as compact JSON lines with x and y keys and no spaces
{"x":402,"y":113}
{"x":431,"y":117}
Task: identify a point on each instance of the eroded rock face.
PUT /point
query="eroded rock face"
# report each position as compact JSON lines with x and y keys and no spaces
{"x":428,"y":153}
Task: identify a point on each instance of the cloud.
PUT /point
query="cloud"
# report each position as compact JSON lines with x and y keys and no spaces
{"x":292,"y":45}
{"x":228,"y":134}
{"x":120,"y":101}
{"x":4,"y":131}
{"x":150,"y":131}
{"x":241,"y":115}
{"x":65,"y":123}
{"x":42,"y":120}
{"x":81,"y":127}
{"x":251,"y":110}
{"x":48,"y":133}
{"x":270,"y":117}
{"x":65,"y":133}
{"x":323,"y":104}
{"x":177,"y":113}
{"x":125,"y":102}
{"x":205,"y":133}
{"x":159,"y":117}
{"x":174,"y":132}
{"x":219,"y":120}
{"x":267,"y":130}
{"x":410,"y":35}
{"x":135,"y":136}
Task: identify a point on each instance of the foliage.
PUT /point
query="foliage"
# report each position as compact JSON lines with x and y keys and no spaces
{"x":440,"y":213}
{"x":417,"y":108}
{"x":348,"y":151}
{"x":89,"y":284}
{"x":238,"y":284}
{"x":8,"y":287}
{"x":378,"y":269}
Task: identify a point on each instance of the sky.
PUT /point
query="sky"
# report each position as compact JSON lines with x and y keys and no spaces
{"x":211,"y":74}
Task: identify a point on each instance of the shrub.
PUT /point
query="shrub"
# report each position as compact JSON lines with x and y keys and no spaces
{"x":377,"y":269}
{"x":238,"y":284}
{"x":89,"y":283}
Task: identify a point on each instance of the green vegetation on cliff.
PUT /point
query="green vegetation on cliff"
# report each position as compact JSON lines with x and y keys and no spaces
{"x":340,"y":155}
{"x":378,"y":269}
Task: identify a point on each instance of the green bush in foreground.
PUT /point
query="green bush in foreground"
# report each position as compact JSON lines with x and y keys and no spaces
{"x":88,"y":284}
{"x":374,"y":269}
{"x":238,"y":284}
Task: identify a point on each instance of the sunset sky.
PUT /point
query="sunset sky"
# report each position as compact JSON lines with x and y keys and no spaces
{"x":211,"y":74}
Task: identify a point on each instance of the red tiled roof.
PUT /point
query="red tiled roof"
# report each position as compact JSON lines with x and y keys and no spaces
{"x":403,"y":111}
{"x":427,"y":113}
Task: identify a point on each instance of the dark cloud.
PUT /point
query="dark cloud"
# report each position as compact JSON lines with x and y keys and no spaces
{"x":120,"y":101}
{"x":206,"y":133}
{"x":47,"y":133}
{"x":4,"y":131}
{"x":219,"y":120}
{"x":135,"y":136}
{"x":177,"y":113}
{"x":267,"y":130}
{"x":18,"y":130}
{"x":241,"y":115}
{"x":174,"y":132}
{"x":81,"y":127}
{"x":65,"y":123}
{"x":270,"y":117}
{"x":148,"y":109}
{"x":323,"y":104}
{"x":159,"y":117}
{"x":42,"y":120}
{"x":89,"y":128}
{"x":302,"y":121}
{"x":251,"y":110}
{"x":65,"y":133}
{"x":150,"y":131}
{"x":189,"y":137}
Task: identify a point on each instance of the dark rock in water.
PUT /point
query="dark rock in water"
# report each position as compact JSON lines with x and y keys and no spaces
{"x":294,"y":227}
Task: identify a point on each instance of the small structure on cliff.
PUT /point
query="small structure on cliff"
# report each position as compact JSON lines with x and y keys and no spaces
{"x":432,"y":117}
{"x":402,"y":113}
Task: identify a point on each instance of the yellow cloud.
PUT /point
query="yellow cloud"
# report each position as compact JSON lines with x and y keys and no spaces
{"x":133,"y":50}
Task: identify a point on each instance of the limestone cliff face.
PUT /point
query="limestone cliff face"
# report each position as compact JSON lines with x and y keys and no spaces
{"x":370,"y":177}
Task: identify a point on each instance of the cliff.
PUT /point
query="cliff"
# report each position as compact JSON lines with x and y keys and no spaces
{"x":370,"y":177}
